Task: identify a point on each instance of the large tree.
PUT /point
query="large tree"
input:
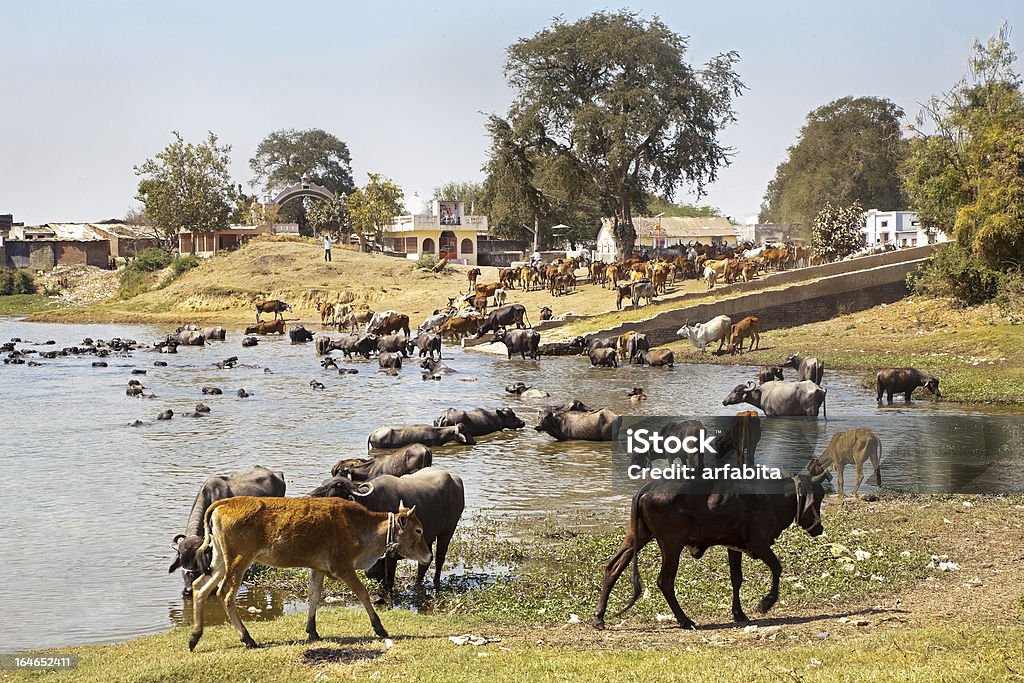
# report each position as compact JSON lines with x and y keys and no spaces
{"x":284,"y":157}
{"x":187,"y":187}
{"x":837,"y":231}
{"x":965,"y":171}
{"x":373,"y":205}
{"x":470,"y":193}
{"x":848,"y":151}
{"x":612,"y":98}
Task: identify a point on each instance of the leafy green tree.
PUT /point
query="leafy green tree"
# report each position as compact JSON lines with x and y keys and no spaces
{"x":373,"y":205}
{"x":471,"y":194}
{"x":187,"y":187}
{"x":613,"y":99}
{"x":662,"y":205}
{"x":965,"y":171}
{"x":849,"y":150}
{"x":837,"y":230}
{"x":331,"y":215}
{"x":284,"y":157}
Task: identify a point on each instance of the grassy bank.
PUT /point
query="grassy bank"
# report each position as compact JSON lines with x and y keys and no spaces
{"x":977,"y":354}
{"x":24,"y":304}
{"x":864,"y":602}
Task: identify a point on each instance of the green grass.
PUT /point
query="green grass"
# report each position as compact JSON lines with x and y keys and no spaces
{"x":17,"y":304}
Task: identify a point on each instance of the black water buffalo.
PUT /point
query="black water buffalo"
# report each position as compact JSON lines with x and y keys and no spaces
{"x":524,"y":342}
{"x":389,"y":360}
{"x":428,"y":344}
{"x":274,"y":306}
{"x":506,"y":316}
{"x":250,"y":341}
{"x":769,"y":373}
{"x":597,"y":425}
{"x":806,"y":368}
{"x":396,"y":343}
{"x":436,"y":367}
{"x":903,"y":381}
{"x":575,"y":347}
{"x":211,"y":333}
{"x":259,"y":481}
{"x":364,"y":345}
{"x":742,"y":515}
{"x":608,"y":358}
{"x":480,"y":421}
{"x":781,"y":398}
{"x":601,"y":343}
{"x":428,"y":435}
{"x":438,"y":497}
{"x":188,"y":338}
{"x":412,"y":458}
{"x":636,"y":346}
{"x":299,"y":334}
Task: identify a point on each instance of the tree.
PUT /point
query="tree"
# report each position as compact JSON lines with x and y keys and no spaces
{"x":331,"y":215}
{"x":965,"y":171}
{"x":837,"y":230}
{"x":372,"y":206}
{"x":469,"y":193}
{"x":849,"y":150}
{"x":284,"y":157}
{"x":662,"y":205}
{"x":612,"y":98}
{"x":187,"y":187}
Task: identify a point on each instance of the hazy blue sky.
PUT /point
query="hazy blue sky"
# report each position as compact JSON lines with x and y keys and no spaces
{"x":90,"y":89}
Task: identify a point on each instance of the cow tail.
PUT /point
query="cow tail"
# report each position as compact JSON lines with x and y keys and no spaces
{"x":635,"y":522}
{"x":204,"y":553}
{"x":526,"y":317}
{"x":878,"y":465}
{"x":824,"y":410}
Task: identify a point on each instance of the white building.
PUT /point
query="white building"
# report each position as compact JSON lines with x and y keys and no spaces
{"x":899,"y":228}
{"x":654,"y":234}
{"x":440,"y":229}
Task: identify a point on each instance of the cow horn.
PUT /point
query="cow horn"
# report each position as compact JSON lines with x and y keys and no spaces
{"x":366,"y":488}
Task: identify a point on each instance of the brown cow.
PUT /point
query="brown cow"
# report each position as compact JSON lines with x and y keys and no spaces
{"x":748,"y":327}
{"x":459,"y":327}
{"x":263,"y":327}
{"x":851,"y":447}
{"x":392,"y":323}
{"x":480,"y":304}
{"x":487,"y":289}
{"x":658,"y":358}
{"x":472,"y":275}
{"x":743,"y":436}
{"x":274,"y":306}
{"x":330,"y":536}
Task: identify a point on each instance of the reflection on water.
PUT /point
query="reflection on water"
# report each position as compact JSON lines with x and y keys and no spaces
{"x":91,"y":504}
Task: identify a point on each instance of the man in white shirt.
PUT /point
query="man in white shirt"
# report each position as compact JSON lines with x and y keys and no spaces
{"x":327,"y":246}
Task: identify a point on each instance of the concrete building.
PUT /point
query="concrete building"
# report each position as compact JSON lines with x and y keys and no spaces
{"x":206,"y":244}
{"x":41,"y":247}
{"x":758,"y":233}
{"x":441,"y":228}
{"x":655,"y":234}
{"x":899,"y":228}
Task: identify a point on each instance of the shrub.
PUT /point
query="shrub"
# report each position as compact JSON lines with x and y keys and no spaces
{"x":149,"y":260}
{"x":16,"y":282}
{"x":426,"y":262}
{"x":1011,"y":296}
{"x":6,"y":282}
{"x":133,"y":283}
{"x":952,"y":272}
{"x":184,"y":264}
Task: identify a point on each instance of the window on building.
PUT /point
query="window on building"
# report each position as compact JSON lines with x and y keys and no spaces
{"x":913,"y":241}
{"x":466,"y":247}
{"x":428,"y":245}
{"x":885,"y":224}
{"x":884,"y":237}
{"x":915,"y":223}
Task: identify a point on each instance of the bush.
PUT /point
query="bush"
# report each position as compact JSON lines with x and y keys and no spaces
{"x":1011,"y":296}
{"x":16,"y":282}
{"x":133,"y":283}
{"x":184,"y":264}
{"x":149,"y":260}
{"x":426,"y":262}
{"x":953,"y":273}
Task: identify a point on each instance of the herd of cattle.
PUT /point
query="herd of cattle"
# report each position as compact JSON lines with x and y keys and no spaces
{"x":370,"y":512}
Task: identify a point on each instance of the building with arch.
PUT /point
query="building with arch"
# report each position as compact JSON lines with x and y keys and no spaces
{"x":440,"y":228}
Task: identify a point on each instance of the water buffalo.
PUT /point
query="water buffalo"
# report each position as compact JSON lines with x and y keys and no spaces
{"x":523,"y":391}
{"x":569,"y":425}
{"x":658,"y":358}
{"x":211,"y":333}
{"x":604,"y":358}
{"x":506,"y":316}
{"x":574,"y":347}
{"x":636,"y":346}
{"x":300,"y":335}
{"x":524,"y":342}
{"x":412,"y":458}
{"x":274,"y":306}
{"x":364,"y":345}
{"x":769,"y":373}
{"x":742,"y":515}
{"x":264,"y":327}
{"x":396,"y":343}
{"x":428,"y":344}
{"x":188,"y":338}
{"x":259,"y":481}
{"x":428,"y":435}
{"x":480,"y":421}
{"x":436,"y":367}
{"x":806,"y":368}
{"x":781,"y":398}
{"x":389,"y":359}
{"x":903,"y":381}
{"x":437,"y":495}
{"x":249,"y":341}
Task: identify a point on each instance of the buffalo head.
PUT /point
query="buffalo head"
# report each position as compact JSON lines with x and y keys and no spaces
{"x":187,"y":560}
{"x":342,"y":487}
{"x":932,"y":385}
{"x":743,"y":393}
{"x":509,"y":419}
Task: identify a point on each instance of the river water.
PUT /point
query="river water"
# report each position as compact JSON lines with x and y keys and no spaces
{"x":90,"y":504}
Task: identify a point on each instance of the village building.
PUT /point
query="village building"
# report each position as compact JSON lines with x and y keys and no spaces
{"x":41,"y":247}
{"x":655,"y":234}
{"x":441,"y":229}
{"x":898,"y":228}
{"x":205,"y":244}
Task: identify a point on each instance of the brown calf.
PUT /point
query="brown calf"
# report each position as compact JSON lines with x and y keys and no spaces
{"x":263,"y":327}
{"x":851,"y":447}
{"x":330,"y":536}
{"x":748,"y":327}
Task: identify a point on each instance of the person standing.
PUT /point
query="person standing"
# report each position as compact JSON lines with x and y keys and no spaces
{"x":327,"y":246}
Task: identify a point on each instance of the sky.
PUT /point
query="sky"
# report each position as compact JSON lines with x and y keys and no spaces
{"x":89,"y":90}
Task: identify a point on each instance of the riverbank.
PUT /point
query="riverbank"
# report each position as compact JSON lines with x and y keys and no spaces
{"x":864,"y":598}
{"x":976,"y":352}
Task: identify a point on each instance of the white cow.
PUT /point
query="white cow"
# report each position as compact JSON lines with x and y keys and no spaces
{"x":702,"y":334}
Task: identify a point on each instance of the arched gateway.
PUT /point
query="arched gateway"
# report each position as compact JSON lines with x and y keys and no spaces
{"x":305,"y":188}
